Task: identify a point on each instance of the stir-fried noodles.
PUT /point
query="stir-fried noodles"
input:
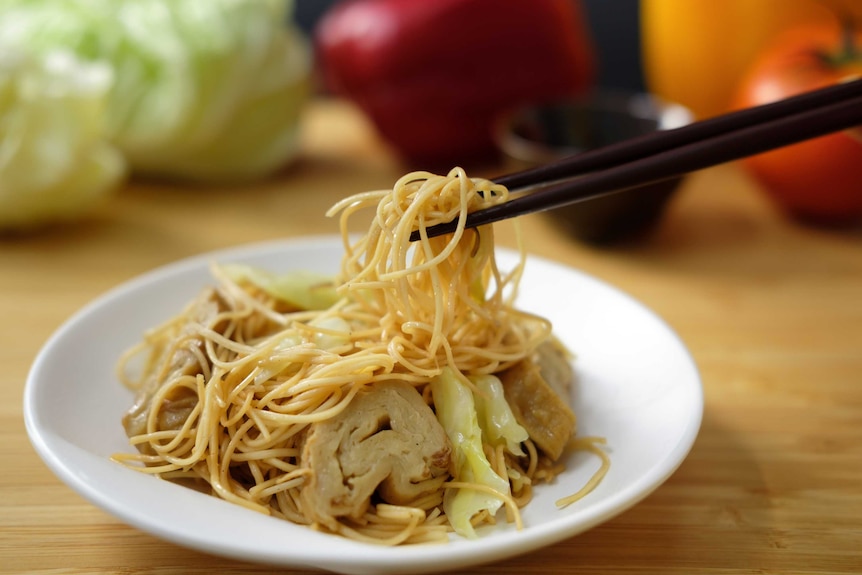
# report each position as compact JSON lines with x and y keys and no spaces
{"x":405,"y":398}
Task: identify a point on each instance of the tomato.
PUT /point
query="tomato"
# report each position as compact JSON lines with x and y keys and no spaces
{"x":819,"y":179}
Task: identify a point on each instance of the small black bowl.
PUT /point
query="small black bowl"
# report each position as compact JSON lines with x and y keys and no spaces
{"x":540,"y":134}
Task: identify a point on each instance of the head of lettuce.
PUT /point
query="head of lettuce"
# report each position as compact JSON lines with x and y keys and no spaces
{"x":55,"y":162}
{"x":206,"y":90}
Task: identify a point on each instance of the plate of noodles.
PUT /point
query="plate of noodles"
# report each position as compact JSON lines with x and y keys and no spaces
{"x":359,"y":403}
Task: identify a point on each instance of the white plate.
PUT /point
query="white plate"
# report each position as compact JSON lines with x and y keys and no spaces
{"x":637,"y":386}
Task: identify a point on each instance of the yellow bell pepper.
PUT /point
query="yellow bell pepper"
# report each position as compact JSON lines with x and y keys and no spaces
{"x":695,"y":51}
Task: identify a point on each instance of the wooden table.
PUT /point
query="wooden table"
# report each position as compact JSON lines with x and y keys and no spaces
{"x":771,"y":310}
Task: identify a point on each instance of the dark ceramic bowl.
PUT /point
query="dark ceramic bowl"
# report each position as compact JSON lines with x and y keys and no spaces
{"x":541,"y":134}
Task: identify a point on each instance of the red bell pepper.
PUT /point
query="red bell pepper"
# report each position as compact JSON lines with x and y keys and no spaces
{"x":435,"y":75}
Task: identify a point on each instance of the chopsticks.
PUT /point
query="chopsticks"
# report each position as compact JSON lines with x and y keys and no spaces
{"x":671,"y":153}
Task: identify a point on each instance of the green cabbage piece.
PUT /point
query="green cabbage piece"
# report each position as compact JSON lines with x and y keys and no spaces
{"x":495,"y":416}
{"x":55,"y":162}
{"x":335,"y":332}
{"x":203,"y":89}
{"x":304,"y":289}
{"x":456,"y":412}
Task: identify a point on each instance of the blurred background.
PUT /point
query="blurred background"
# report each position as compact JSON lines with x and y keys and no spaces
{"x":192,"y":92}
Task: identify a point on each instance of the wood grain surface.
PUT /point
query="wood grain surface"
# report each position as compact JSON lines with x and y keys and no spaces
{"x":770,"y":309}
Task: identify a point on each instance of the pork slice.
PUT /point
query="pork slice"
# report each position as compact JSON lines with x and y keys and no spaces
{"x":537,"y":390}
{"x":387,"y":441}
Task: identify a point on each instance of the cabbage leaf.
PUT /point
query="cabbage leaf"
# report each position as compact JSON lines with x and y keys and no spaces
{"x":203,"y":89}
{"x":456,"y":411}
{"x":496,"y":419}
{"x":55,"y":161}
{"x":304,"y":289}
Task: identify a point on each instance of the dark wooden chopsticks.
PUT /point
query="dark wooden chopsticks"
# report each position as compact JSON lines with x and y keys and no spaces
{"x":667,"y":154}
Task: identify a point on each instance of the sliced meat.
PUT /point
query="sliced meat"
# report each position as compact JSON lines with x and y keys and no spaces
{"x":174,"y":411}
{"x":387,"y":441}
{"x":538,"y":406}
{"x":554,"y":362}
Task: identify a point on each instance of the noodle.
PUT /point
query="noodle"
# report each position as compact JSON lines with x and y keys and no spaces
{"x":589,"y":444}
{"x":231,"y":387}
